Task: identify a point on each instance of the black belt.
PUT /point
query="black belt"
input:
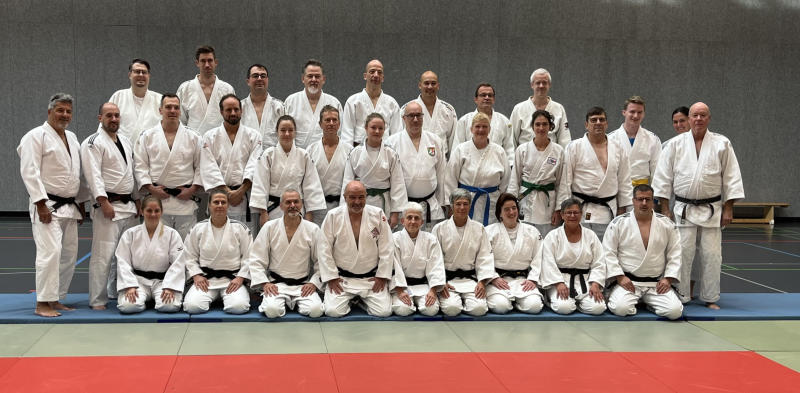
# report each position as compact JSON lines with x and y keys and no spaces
{"x":177,"y":191}
{"x":150,"y":275}
{"x":213,"y":273}
{"x":459,"y":273}
{"x":595,"y":200}
{"x":512,"y":273}
{"x":332,"y":198}
{"x":572,"y":273}
{"x":114,"y":197}
{"x":247,"y":205}
{"x":698,"y":202}
{"x":427,"y":204}
{"x":643,"y":279}
{"x":416,"y":281}
{"x":277,"y":278}
{"x":274,"y":202}
{"x":61,"y":201}
{"x":349,"y":274}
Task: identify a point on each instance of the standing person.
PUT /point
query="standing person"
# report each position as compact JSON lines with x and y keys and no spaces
{"x":260,"y":110}
{"x":138,"y":106}
{"x":518,"y":264}
{"x":540,"y":101}
{"x":699,"y":211}
{"x":578,"y":254}
{"x":107,"y":162}
{"x":370,"y":100}
{"x":200,"y":95}
{"x":306,"y":106}
{"x":481,"y":168}
{"x":50,"y":166}
{"x":215,"y":256}
{"x":536,"y":175}
{"x":147,"y":264}
{"x":229,"y":157}
{"x":284,"y":262}
{"x":438,"y":117}
{"x":597,"y":172}
{"x":283,"y":167}
{"x":330,"y":158}
{"x":421,"y":155}
{"x":643,"y":147}
{"x":377,"y":167}
{"x":168,"y":166}
{"x":499,"y":123}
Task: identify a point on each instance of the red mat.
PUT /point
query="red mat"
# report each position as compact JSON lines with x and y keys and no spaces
{"x":6,"y":364}
{"x":413,"y":373}
{"x":251,"y":373}
{"x":690,"y":372}
{"x":135,"y":374}
{"x":570,"y":372}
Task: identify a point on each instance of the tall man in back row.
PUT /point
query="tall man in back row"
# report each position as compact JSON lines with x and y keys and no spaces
{"x":200,"y":96}
{"x":643,"y":146}
{"x":701,"y":168}
{"x":438,"y":117}
{"x":370,"y":100}
{"x":260,"y":111}
{"x":138,"y":106}
{"x":306,"y":106}
{"x":521,"y":121}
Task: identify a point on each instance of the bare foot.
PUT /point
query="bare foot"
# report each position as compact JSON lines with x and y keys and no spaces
{"x":712,"y":306}
{"x":98,"y":307}
{"x":59,"y":306}
{"x":43,"y":309}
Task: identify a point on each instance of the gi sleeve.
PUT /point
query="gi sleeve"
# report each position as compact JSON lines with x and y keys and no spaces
{"x":327,"y":265}
{"x":319,"y":251}
{"x":348,"y":129}
{"x":516,"y":172}
{"x":452,"y":174}
{"x":258,"y":259}
{"x":567,"y":171}
{"x":245,"y":241}
{"x":462,"y":133}
{"x":655,"y":154}
{"x":663,"y":178}
{"x":125,"y":277}
{"x":597,"y":270}
{"x":260,"y":191}
{"x":564,"y":136}
{"x":190,"y":257}
{"x":673,"y":250}
{"x":210,"y":174}
{"x":30,"y":165}
{"x":434,"y":270}
{"x":313,"y":196}
{"x":549,"y":251}
{"x":198,"y":169}
{"x":349,"y":175}
{"x":484,"y":260}
{"x":611,"y":251}
{"x":92,"y":165}
{"x":397,"y":181}
{"x":386,"y":249}
{"x":252,"y":161}
{"x":142,"y":161}
{"x":441,"y":167}
{"x":624,"y":185}
{"x":732,"y":187}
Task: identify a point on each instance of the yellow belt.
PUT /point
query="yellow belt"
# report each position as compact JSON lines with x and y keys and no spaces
{"x":640,"y":182}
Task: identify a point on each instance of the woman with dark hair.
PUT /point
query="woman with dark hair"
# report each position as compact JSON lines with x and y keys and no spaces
{"x":517,"y":251}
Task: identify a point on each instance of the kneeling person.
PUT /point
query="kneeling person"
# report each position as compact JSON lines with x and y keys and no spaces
{"x":420,"y":258}
{"x":215,"y":257}
{"x":284,"y":261}
{"x":468,"y":259}
{"x":360,"y":257}
{"x":643,"y":252}
{"x":148,"y":263}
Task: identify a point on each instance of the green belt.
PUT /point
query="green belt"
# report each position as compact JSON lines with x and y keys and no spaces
{"x":378,"y":192}
{"x":530,"y":187}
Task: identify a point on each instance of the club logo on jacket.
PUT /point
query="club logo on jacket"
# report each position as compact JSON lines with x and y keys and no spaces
{"x":432,"y":151}
{"x":551,"y":160}
{"x":375,"y":233}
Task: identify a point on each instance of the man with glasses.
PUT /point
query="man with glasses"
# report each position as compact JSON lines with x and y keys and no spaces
{"x":138,"y":106}
{"x":422,"y":159}
{"x":642,"y":250}
{"x":306,"y":105}
{"x":260,"y":111}
{"x":700,"y":168}
{"x":200,"y":96}
{"x":500,"y":127}
{"x":597,"y":172}
{"x":439,"y":117}
{"x":370,"y":100}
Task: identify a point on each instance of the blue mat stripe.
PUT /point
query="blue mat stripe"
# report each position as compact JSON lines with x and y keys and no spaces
{"x":18,"y":309}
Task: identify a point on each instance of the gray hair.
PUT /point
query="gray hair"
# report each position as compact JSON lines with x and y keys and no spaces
{"x":542,"y":71}
{"x":459,"y":193}
{"x":291,"y":190}
{"x":570,"y":202}
{"x":412,"y":207}
{"x":60,"y":97}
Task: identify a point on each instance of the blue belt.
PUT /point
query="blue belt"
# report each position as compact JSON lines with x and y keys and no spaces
{"x":478,"y":192}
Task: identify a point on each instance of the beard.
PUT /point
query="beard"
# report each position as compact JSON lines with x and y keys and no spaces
{"x":313,"y":90}
{"x":293,"y":214}
{"x":233,"y":121}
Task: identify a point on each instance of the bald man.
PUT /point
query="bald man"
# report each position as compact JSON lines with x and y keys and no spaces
{"x":107,"y":161}
{"x":355,"y":268}
{"x":700,"y":167}
{"x":438,"y":117}
{"x":368,"y":101}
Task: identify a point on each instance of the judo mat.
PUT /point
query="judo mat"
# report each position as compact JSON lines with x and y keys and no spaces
{"x":18,"y":309}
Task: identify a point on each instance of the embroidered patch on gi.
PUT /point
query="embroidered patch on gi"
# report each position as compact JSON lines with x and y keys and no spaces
{"x":551,"y":160}
{"x":375,"y":233}
{"x":432,"y":151}
{"x":588,"y":216}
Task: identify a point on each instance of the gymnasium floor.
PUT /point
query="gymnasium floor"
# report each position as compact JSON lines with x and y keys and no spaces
{"x":580,"y":355}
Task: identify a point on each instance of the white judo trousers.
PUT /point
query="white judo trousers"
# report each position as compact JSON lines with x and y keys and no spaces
{"x":47,"y":167}
{"x":102,"y":264}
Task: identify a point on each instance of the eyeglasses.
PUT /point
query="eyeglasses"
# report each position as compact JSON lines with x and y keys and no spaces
{"x":413,"y":115}
{"x":597,"y":120}
{"x":643,"y":200}
{"x":140,"y":72}
{"x":571,"y":213}
{"x":258,"y":76}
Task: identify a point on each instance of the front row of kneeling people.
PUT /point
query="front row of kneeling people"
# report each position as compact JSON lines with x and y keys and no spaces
{"x":355,"y":258}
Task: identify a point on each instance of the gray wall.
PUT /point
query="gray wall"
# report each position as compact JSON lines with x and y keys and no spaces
{"x":738,"y":56}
